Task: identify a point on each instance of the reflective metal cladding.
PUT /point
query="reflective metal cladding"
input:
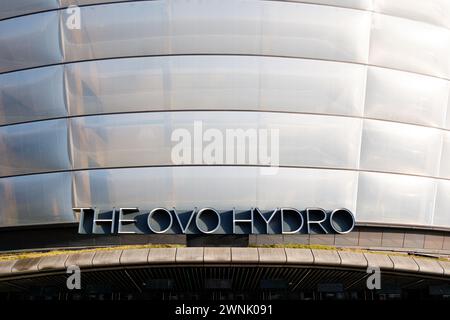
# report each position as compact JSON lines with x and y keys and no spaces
{"x":360,"y":101}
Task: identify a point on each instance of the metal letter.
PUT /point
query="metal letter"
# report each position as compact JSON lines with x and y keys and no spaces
{"x":282,"y":221}
{"x":97,"y":220}
{"x":242,"y":220}
{"x":351,"y":216}
{"x":319,"y":222}
{"x":121,"y":214}
{"x":197,"y":218}
{"x":150,"y":217}
{"x":82,"y":219}
{"x":264,"y":218}
{"x":184,"y":229}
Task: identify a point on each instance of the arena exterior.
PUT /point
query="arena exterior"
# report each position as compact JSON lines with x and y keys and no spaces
{"x":357,"y":92}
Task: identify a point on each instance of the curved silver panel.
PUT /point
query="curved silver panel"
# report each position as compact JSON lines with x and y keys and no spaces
{"x":355,"y":4}
{"x":358,"y":91}
{"x":191,"y":27}
{"x":441,"y":215}
{"x":11,"y":8}
{"x":145,"y":139}
{"x":32,"y":95}
{"x":34,"y":147}
{"x":44,"y":198}
{"x":431,"y":11}
{"x":215,"y":82}
{"x":259,"y":27}
{"x":409,"y":45}
{"x":182,"y":27}
{"x":445,"y":157}
{"x":305,"y":139}
{"x":113,"y":141}
{"x":30,"y":41}
{"x":436,"y":12}
{"x":447,"y":122}
{"x":301,"y":188}
{"x":393,"y":147}
{"x":406,"y":97}
{"x":390,"y":198}
{"x":177,"y":186}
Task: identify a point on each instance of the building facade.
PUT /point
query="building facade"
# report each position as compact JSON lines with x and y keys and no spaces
{"x":359,"y":92}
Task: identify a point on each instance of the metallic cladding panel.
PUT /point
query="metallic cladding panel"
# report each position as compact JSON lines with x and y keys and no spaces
{"x":307,"y":68}
{"x":305,"y":139}
{"x":11,"y":8}
{"x":441,"y":215}
{"x":430,"y":11}
{"x":34,"y":147}
{"x":143,"y":30}
{"x":232,"y":27}
{"x":447,"y":122}
{"x":408,"y":45}
{"x":445,"y":156}
{"x":145,"y":139}
{"x":393,"y":198}
{"x":32,"y":95}
{"x":358,"y":4}
{"x":289,"y":29}
{"x":435,"y":12}
{"x":190,"y":27}
{"x":30,"y":41}
{"x":294,"y":30}
{"x":355,"y":4}
{"x":36,"y":199}
{"x":214,"y":187}
{"x":406,"y":97}
{"x":214,"y":83}
{"x":308,"y":188}
{"x":115,"y":140}
{"x":402,"y":148}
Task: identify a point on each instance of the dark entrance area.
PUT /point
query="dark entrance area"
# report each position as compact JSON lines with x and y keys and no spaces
{"x":223,"y":283}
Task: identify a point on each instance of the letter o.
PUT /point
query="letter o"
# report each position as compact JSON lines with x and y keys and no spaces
{"x":150,"y":215}
{"x":197,"y":219}
{"x":338,"y":212}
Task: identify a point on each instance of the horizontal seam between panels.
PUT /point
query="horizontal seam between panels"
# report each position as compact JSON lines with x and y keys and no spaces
{"x":61,"y":8}
{"x":226,"y":165}
{"x":224,"y":55}
{"x":222,"y":110}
